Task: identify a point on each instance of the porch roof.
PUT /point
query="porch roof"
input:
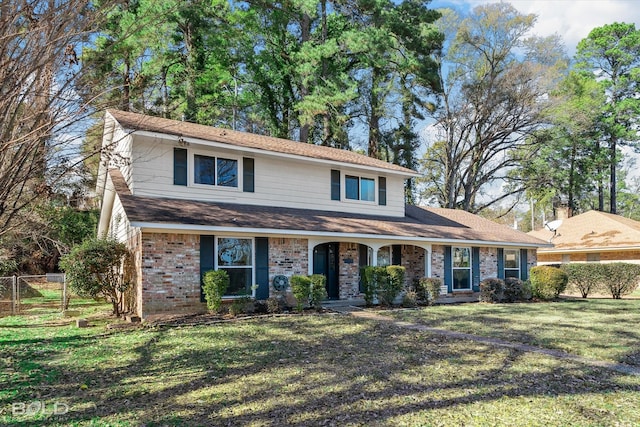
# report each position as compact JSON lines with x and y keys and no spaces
{"x":426,"y":224}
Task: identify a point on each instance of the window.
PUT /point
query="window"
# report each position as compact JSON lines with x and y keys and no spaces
{"x":206,"y":169}
{"x":512,"y":263}
{"x":357,"y":188}
{"x":566,"y":258}
{"x":384,"y":256}
{"x":235,"y":256}
{"x":595,"y":257}
{"x":461,"y":268}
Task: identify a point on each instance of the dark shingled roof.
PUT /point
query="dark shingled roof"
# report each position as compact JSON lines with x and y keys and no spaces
{"x":428,"y":223}
{"x":140,"y":122}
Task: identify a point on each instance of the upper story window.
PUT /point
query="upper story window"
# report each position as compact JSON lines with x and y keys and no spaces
{"x":512,"y":263}
{"x":215,"y":171}
{"x":357,"y":188}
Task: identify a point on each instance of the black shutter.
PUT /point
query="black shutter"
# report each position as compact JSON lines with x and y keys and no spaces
{"x":206,"y":259}
{"x":363,"y":261}
{"x":382,"y":191}
{"x":248,"y":175}
{"x":335,"y":184}
{"x":179,"y":166}
{"x":448,"y":269}
{"x":500,"y":263}
{"x":524,"y":271}
{"x":262,"y":268}
{"x":475,"y":269}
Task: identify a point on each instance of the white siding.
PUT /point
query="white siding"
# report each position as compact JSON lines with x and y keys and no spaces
{"x":279,"y":181}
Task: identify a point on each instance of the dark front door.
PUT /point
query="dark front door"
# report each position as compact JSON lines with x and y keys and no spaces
{"x":325,"y":261}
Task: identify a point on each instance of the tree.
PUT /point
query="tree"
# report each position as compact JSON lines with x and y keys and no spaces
{"x":568,"y":157}
{"x":41,"y":116}
{"x":612,"y":54}
{"x":100,"y":268}
{"x":495,"y":94}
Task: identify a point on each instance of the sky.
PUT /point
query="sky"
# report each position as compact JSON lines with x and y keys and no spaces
{"x":571,"y":19}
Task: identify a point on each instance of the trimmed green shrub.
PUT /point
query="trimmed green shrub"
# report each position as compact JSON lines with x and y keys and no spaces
{"x":585,"y":278}
{"x":214,"y":286}
{"x":621,"y":278}
{"x":390,"y":288}
{"x":513,"y":290}
{"x":318,"y":291}
{"x":100,"y":268}
{"x":428,"y":289}
{"x":491,"y":290}
{"x":301,"y":289}
{"x":368,"y":284}
{"x":547,"y":282}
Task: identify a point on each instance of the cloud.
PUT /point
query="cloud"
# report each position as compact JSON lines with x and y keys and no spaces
{"x":571,"y":19}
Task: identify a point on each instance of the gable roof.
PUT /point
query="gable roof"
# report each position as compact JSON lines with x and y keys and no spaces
{"x":140,"y":122}
{"x":591,"y":230}
{"x":433,"y":224}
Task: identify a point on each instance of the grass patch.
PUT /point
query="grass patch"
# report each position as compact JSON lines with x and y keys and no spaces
{"x":602,"y":329}
{"x":299,"y":371}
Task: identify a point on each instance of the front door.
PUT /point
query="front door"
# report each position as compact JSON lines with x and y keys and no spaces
{"x":325,"y":261}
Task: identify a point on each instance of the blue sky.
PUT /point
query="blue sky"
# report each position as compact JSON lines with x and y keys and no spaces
{"x":571,"y":19}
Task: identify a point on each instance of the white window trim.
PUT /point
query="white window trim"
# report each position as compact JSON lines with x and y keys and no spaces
{"x":504,"y":261}
{"x":253,"y":262}
{"x":359,"y":200}
{"x":191,"y":170}
{"x":469,"y":269}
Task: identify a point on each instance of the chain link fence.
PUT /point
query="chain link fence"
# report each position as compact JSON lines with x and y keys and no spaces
{"x":33,"y":294}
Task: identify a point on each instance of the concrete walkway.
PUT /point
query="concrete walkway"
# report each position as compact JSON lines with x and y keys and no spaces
{"x":360,"y":312}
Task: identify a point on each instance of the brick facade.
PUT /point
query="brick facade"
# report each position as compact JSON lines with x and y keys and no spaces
{"x":631,"y":256}
{"x":170,"y":265}
{"x":413,"y":260}
{"x":348,"y":270}
{"x":287,"y":257}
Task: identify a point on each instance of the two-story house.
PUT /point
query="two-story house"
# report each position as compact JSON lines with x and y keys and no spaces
{"x":189,"y":198}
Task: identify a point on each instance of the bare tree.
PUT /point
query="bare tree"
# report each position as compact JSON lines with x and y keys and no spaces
{"x":41,"y":116}
{"x":495,"y":85}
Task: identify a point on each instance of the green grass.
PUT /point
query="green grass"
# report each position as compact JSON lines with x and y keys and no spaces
{"x":603,"y":329}
{"x":300,"y":371}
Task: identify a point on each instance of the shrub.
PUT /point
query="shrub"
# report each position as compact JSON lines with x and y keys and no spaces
{"x":410,"y":299}
{"x":621,"y":278}
{"x":547,"y":282}
{"x":585,"y":278}
{"x":242,"y":305}
{"x":8,"y":266}
{"x":214,"y":286}
{"x":527,"y":292}
{"x":390,"y":283}
{"x":318,"y":292}
{"x":513,"y":290}
{"x":492,"y":290}
{"x":301,"y":289}
{"x":428,"y":289}
{"x":368,"y":284}
{"x":274,"y":305}
{"x":98,"y":268}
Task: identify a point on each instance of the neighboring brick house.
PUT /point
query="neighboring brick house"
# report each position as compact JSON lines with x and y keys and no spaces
{"x":590,"y":237}
{"x":189,"y":198}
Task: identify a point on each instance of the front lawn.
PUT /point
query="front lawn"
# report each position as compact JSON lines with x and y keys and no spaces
{"x":300,"y":370}
{"x":603,"y":329}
